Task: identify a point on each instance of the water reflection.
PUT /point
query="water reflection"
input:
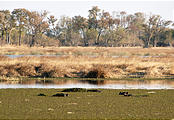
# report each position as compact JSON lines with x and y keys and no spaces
{"x":17,"y":56}
{"x":94,"y":82}
{"x":105,"y":84}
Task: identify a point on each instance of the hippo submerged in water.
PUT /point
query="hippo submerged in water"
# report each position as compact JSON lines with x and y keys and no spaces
{"x":60,"y":95}
{"x":41,"y":94}
{"x":94,"y":90}
{"x":125,"y":94}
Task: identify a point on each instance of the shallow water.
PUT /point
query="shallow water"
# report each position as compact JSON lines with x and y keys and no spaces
{"x":17,"y":56}
{"x":92,"y":56}
{"x":104,"y":84}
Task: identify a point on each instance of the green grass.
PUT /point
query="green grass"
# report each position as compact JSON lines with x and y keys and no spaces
{"x":25,"y":104}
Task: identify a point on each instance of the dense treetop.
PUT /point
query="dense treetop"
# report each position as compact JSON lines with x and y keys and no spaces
{"x":100,"y":28}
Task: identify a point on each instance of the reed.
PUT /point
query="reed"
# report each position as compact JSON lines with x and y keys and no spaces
{"x":85,"y":66}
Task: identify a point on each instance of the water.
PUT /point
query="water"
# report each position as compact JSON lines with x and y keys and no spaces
{"x":88,"y":84}
{"x":17,"y":56}
{"x":92,"y":56}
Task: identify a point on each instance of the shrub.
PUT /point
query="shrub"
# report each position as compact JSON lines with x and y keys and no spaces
{"x":96,"y":73}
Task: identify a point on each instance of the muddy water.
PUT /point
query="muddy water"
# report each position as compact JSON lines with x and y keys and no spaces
{"x":104,"y":84}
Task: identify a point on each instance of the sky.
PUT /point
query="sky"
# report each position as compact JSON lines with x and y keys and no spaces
{"x":71,"y":8}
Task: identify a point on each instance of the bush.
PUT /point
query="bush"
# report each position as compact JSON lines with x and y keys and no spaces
{"x":96,"y":73}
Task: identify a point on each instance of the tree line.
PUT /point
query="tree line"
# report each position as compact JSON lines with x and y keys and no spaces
{"x":100,"y":28}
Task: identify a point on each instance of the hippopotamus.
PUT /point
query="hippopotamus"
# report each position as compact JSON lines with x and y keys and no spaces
{"x":60,"y":95}
{"x":125,"y":94}
{"x":41,"y":94}
{"x":94,"y":90}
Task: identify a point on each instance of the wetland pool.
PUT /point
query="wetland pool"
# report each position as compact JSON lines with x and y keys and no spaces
{"x":89,"y":84}
{"x":63,"y":55}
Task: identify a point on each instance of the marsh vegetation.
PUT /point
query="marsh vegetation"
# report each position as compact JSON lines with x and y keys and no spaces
{"x":101,"y":63}
{"x":107,"y":104}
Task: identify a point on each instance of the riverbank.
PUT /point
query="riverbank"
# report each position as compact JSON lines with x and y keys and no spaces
{"x":107,"y":104}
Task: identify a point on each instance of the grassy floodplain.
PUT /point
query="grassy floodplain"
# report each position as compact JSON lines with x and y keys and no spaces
{"x":25,"y":104}
{"x":80,"y":62}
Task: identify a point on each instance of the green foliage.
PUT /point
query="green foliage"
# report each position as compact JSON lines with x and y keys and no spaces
{"x":91,"y":35}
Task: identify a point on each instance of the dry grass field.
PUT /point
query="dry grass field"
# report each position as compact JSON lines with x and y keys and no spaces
{"x":100,"y":66}
{"x":101,"y":51}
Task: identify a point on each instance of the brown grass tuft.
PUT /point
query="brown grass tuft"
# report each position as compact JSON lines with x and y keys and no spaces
{"x":26,"y":70}
{"x":122,"y":66}
{"x":97,"y":66}
{"x":96,"y":73}
{"x":9,"y":71}
{"x":44,"y":70}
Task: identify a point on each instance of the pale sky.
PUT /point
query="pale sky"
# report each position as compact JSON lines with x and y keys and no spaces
{"x":72,"y":8}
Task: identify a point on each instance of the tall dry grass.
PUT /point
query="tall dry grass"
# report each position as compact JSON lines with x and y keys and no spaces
{"x":85,"y":66}
{"x":93,"y":51}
